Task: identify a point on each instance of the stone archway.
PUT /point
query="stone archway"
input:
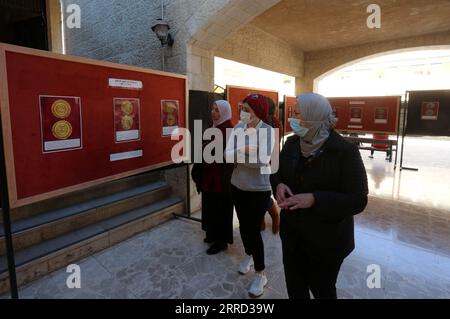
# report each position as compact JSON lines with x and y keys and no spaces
{"x":208,"y":32}
{"x":319,"y":63}
{"x":342,"y":66}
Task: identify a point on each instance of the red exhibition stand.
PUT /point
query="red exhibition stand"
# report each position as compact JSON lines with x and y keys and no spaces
{"x":70,"y":123}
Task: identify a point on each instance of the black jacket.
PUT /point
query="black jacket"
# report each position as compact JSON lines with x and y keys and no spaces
{"x":337,"y":178}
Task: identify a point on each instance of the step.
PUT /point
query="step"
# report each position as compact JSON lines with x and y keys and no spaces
{"x":39,"y":260}
{"x":84,"y":195}
{"x":33,"y":230}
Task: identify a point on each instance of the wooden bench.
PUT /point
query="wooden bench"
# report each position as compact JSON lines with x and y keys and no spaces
{"x":359,"y":141}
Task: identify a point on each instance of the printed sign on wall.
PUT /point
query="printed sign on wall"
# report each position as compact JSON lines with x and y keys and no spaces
{"x":60,"y":123}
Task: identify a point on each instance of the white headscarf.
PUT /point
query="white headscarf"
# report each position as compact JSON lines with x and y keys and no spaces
{"x":224,"y":110}
{"x":318,"y":116}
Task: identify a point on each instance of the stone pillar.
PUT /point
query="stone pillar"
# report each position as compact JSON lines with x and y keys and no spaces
{"x":200,"y":72}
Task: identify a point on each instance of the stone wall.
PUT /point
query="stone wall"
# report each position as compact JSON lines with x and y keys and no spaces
{"x":250,"y":45}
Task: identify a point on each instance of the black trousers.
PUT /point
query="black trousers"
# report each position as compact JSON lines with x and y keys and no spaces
{"x":250,"y":209}
{"x":217,"y":216}
{"x":306,"y":271}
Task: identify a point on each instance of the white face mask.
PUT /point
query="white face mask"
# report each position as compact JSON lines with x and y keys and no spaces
{"x":245,"y":117}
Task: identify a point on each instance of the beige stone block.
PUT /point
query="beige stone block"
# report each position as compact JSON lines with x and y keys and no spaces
{"x":120,"y":234}
{"x":194,"y":64}
{"x":31,"y":271}
{"x":27,"y":239}
{"x":70,"y":254}
{"x":208,"y":67}
{"x":199,"y":52}
{"x":4,"y":285}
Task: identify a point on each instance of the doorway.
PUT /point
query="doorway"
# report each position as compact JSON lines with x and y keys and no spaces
{"x":24,"y":23}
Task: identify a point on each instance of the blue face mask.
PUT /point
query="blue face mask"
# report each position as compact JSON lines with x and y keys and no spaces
{"x":298,"y":128}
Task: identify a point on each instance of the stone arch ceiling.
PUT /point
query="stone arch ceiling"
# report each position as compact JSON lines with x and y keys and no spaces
{"x":214,"y":20}
{"x":315,"y":25}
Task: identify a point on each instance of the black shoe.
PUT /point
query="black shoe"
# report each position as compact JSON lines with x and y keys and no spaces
{"x":216,"y":248}
{"x":208,"y":240}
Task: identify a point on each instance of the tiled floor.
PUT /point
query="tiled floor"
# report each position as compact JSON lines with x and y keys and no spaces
{"x":170,"y":262}
{"x":405,"y":230}
{"x":429,"y":187}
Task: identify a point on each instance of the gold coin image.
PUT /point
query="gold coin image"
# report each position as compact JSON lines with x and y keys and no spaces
{"x":171,"y":120}
{"x":61,"y":109}
{"x":62,"y":130}
{"x":170,"y":107}
{"x":127,"y":122}
{"x":127,"y":107}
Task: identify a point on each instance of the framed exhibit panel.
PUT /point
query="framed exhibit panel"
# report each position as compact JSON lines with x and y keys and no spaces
{"x":236,"y":94}
{"x":126,"y":120}
{"x":376,"y":114}
{"x":70,"y":123}
{"x":61,"y":126}
{"x":289,"y":104}
{"x":169,"y":117}
{"x":428,"y":113}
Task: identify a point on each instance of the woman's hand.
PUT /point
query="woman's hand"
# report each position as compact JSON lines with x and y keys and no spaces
{"x":298,"y":201}
{"x":282,"y":191}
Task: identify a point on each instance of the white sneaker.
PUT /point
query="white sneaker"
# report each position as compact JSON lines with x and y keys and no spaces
{"x":244,"y":266}
{"x":258,"y":284}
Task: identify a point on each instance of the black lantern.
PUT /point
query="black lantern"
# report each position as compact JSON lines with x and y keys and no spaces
{"x":161,"y":29}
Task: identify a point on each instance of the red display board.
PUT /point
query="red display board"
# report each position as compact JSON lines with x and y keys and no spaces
{"x":236,"y":94}
{"x":70,"y":123}
{"x":289,"y":104}
{"x":376,"y":114}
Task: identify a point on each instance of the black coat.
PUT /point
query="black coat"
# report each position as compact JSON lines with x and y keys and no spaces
{"x":337,"y":178}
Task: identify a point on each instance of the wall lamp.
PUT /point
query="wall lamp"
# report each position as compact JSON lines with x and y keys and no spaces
{"x":161,"y":29}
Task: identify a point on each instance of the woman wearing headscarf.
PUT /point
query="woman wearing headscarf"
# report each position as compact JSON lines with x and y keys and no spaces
{"x":213,"y":181}
{"x":250,"y":182}
{"x":320,"y":185}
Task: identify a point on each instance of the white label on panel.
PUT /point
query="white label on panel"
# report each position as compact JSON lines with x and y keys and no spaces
{"x":125,"y":155}
{"x":126,"y":84}
{"x":62,"y":145}
{"x":355,"y":126}
{"x":127,"y":135}
{"x":425,"y":117}
{"x":357,"y":102}
{"x":169,"y":130}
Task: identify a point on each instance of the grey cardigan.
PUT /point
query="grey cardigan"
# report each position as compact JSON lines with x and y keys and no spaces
{"x":251,"y":176}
